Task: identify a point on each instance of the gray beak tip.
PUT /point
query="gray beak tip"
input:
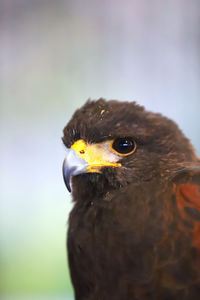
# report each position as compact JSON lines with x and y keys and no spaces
{"x":72,"y":165}
{"x":68,"y":185}
{"x":66,"y":176}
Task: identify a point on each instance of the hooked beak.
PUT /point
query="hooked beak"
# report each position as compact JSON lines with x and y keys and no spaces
{"x":83,"y":157}
{"x":73,"y":165}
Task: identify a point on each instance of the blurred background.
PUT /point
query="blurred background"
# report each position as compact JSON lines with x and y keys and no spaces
{"x":53,"y":56}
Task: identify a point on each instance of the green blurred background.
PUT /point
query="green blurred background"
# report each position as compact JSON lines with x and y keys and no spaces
{"x":53,"y":56}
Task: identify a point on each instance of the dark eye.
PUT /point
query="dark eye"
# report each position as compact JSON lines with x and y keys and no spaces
{"x":124,"y":145}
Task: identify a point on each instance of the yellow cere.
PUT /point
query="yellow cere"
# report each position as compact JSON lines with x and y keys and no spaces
{"x":96,"y":155}
{"x":79,"y":146}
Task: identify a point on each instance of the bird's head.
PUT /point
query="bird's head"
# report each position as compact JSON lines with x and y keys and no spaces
{"x":112,"y":144}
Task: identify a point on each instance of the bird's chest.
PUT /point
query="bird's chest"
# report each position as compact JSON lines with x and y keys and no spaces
{"x":113,"y":240}
{"x":133,"y":242}
{"x":90,"y":228}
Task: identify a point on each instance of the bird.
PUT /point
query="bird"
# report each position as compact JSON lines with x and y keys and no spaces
{"x":134,"y":229}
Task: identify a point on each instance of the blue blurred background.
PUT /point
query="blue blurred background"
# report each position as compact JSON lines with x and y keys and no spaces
{"x":53,"y":56}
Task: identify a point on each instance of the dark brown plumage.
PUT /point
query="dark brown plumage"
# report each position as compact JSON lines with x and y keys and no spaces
{"x":134,"y":230}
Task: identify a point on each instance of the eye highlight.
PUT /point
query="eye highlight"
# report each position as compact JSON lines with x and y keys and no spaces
{"x":123,"y":146}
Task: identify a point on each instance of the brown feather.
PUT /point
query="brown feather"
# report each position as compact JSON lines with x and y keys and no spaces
{"x":134,"y":231}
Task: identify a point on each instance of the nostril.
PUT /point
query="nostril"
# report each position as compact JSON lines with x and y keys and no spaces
{"x":82,"y":152}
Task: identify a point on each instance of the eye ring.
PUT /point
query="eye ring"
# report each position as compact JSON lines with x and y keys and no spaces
{"x":123,"y":146}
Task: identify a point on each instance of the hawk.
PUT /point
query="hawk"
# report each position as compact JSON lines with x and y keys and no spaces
{"x":134,"y":230}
